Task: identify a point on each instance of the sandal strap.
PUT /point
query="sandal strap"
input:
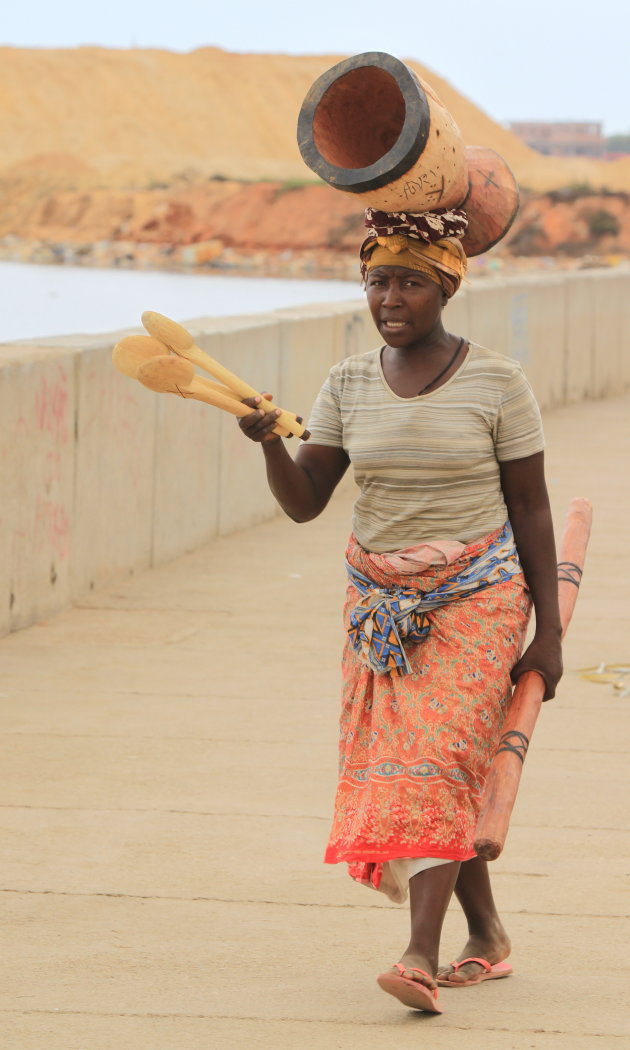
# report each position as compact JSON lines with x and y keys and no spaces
{"x":473,"y":958}
{"x":414,"y":969}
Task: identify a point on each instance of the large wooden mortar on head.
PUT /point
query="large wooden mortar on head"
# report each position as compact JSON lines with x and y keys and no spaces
{"x":371,"y":127}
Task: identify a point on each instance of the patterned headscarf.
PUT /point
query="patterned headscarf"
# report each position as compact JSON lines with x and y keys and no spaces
{"x":428,"y":243}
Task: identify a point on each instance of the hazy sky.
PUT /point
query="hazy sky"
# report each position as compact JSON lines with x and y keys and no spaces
{"x":553,"y":60}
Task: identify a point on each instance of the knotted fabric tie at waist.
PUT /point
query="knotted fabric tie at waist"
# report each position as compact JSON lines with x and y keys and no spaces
{"x":383,"y":617}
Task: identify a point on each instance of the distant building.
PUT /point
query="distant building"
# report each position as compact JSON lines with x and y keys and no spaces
{"x":562,"y":139}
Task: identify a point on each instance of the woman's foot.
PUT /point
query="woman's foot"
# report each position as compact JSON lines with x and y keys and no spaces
{"x":412,"y":983}
{"x":412,"y":963}
{"x":494,"y":947}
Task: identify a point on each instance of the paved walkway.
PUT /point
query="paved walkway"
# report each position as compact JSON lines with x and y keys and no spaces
{"x":167,"y":780}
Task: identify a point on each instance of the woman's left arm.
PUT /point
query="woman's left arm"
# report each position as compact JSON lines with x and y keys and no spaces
{"x":527,"y":501}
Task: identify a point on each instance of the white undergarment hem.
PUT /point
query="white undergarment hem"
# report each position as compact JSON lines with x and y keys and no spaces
{"x":396,"y":874}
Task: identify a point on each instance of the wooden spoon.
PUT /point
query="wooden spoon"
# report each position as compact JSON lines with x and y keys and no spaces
{"x":133,"y":351}
{"x":181,"y":342}
{"x":174,"y":375}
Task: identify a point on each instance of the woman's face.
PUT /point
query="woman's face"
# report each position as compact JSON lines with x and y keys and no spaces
{"x":406,"y":305}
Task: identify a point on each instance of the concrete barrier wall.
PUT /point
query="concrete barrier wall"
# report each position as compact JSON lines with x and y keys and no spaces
{"x":99,"y":476}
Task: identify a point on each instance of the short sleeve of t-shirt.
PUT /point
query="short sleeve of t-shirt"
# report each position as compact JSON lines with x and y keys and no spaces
{"x":518,"y":427}
{"x":325,"y":421}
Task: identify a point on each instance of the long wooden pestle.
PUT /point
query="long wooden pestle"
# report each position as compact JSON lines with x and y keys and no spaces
{"x":507,"y":766}
{"x":180,"y":341}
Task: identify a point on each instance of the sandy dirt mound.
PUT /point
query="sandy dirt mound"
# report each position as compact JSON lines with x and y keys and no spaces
{"x":142,"y":116}
{"x":155,"y":147}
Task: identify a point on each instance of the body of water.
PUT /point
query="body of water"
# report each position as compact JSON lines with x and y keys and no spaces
{"x":66,"y":300}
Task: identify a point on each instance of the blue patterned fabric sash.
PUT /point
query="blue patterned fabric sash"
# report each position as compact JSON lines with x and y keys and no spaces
{"x":384,"y":616}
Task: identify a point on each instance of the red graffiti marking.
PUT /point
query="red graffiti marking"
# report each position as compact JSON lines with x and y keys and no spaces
{"x":53,"y":524}
{"x":51,"y":404}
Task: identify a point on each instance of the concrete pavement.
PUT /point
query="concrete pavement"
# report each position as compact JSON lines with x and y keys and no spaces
{"x":168,"y":772}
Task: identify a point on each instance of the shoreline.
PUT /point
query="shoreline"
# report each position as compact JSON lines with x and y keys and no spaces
{"x":212,"y":258}
{"x":201,"y":257}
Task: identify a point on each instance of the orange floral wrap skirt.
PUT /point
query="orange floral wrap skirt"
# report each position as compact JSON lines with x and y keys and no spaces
{"x":415,"y":749}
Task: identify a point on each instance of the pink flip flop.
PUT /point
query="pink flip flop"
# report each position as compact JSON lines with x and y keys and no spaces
{"x":410,"y":993}
{"x":490,"y":973}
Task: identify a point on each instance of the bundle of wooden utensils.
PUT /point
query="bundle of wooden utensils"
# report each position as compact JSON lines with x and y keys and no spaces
{"x":165,"y":359}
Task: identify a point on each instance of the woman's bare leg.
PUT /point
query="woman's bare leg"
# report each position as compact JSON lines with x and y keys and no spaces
{"x":487,"y":937}
{"x":429,"y":894}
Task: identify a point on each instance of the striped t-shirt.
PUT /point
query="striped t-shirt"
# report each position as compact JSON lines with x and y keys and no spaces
{"x":428,"y":466}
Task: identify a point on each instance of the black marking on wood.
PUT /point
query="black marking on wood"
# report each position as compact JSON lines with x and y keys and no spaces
{"x":488,"y":177}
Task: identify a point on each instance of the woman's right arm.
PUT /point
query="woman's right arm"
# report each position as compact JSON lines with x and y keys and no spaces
{"x":304,"y":485}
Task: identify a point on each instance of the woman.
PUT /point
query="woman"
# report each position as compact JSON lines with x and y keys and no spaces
{"x":452,"y":540}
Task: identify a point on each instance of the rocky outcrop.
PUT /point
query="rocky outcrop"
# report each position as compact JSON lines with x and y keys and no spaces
{"x":572,"y":222}
{"x":273,"y":226}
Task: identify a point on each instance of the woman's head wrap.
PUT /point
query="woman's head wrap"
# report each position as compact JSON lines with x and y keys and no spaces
{"x":429,"y":243}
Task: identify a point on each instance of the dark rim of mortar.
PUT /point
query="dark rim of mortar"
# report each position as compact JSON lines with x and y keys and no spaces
{"x":402,"y":155}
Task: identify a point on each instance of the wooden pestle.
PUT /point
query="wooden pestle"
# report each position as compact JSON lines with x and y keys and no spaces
{"x":181,"y":342}
{"x":507,"y":766}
